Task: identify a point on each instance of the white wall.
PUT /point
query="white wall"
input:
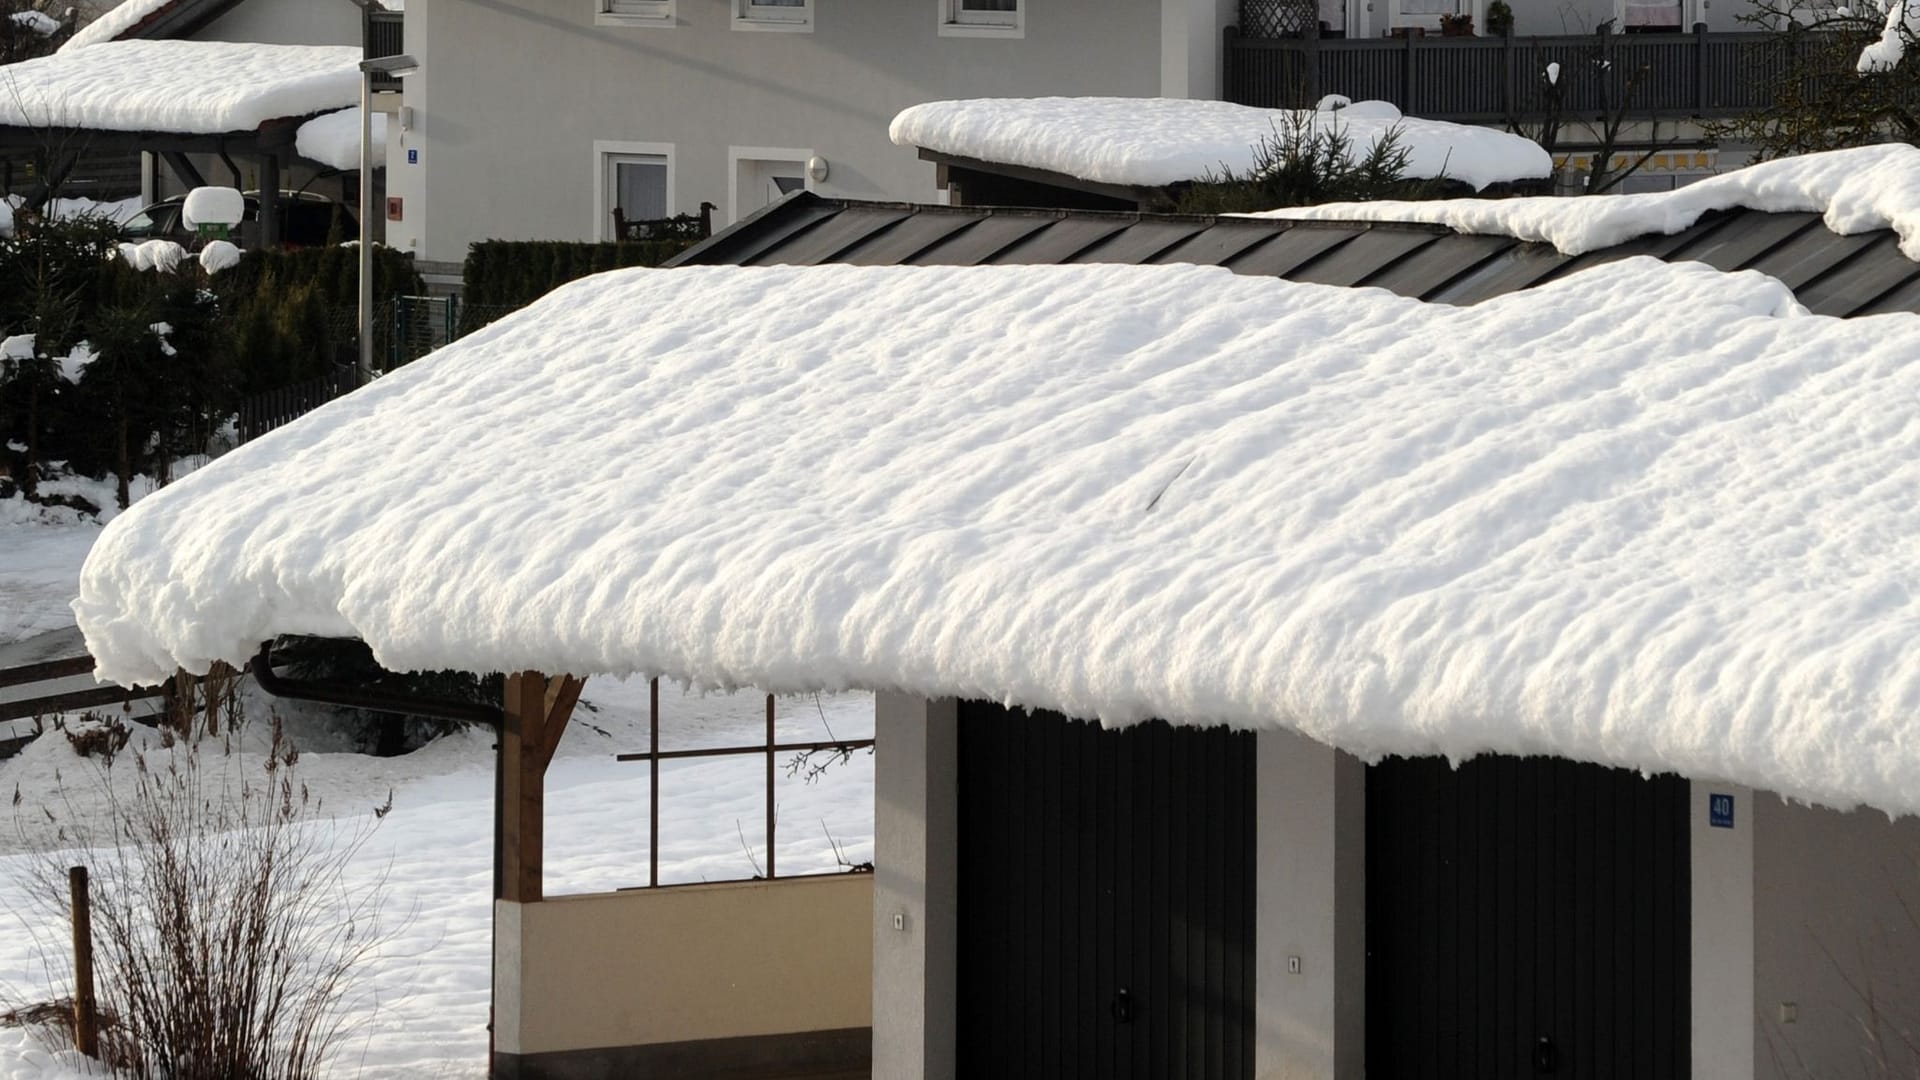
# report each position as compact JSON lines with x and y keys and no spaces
{"x":1309,"y":904}
{"x":1837,"y":926}
{"x":288,"y":22}
{"x":1722,"y":937}
{"x":520,"y":90}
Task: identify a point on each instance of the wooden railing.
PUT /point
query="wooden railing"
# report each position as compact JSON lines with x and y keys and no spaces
{"x":1492,"y":79}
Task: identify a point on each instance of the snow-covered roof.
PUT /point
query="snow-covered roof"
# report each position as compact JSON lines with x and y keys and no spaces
{"x":187,"y":87}
{"x":1152,"y":142}
{"x":1869,"y":187}
{"x":113,"y":22}
{"x":1648,"y":515}
{"x":333,"y":139}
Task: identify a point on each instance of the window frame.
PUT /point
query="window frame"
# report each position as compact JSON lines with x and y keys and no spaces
{"x":646,"y":13}
{"x":785,"y":19}
{"x":607,"y":153}
{"x":956,"y":21}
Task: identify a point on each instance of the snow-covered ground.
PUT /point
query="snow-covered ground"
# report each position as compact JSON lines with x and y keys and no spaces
{"x":424,"y":1013}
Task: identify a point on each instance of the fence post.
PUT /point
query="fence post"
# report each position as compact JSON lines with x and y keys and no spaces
{"x":1700,"y":69}
{"x":1406,"y":75}
{"x":86,"y":1028}
{"x":1508,"y":92}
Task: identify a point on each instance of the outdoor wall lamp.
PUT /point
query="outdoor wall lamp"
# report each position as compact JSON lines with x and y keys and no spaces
{"x":817,"y":168}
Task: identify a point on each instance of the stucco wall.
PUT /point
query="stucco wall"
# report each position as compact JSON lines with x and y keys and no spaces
{"x":288,"y":22}
{"x":516,"y":92}
{"x":1836,"y":918}
{"x":684,"y":963}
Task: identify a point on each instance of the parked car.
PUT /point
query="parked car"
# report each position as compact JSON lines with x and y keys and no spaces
{"x":306,"y":220}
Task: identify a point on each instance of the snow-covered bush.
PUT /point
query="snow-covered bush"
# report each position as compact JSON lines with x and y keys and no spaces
{"x":1305,"y":162}
{"x":216,"y":888}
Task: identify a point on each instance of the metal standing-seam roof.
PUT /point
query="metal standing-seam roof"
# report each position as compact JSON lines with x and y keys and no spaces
{"x":1862,"y":274}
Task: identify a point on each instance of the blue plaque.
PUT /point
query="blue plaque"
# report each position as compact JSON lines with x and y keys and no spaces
{"x":413,"y":156}
{"x":1720,"y":811}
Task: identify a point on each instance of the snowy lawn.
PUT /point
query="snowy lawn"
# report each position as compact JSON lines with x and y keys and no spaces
{"x":424,"y":1013}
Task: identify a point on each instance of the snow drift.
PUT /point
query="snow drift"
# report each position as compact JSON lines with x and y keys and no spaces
{"x":1151,"y":142}
{"x":1649,"y":515}
{"x":1858,"y":190}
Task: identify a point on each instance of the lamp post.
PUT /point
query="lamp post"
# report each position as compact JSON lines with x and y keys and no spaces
{"x":383,"y":65}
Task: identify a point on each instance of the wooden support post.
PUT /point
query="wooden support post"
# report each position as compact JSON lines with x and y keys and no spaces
{"x":537,"y":709}
{"x":86,"y":1025}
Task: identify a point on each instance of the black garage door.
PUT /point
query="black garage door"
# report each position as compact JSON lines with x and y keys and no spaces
{"x":1526,"y":918}
{"x":1106,"y":899}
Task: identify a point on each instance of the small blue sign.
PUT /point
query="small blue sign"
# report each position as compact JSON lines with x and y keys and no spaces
{"x":413,"y":156}
{"x":1720,"y":811}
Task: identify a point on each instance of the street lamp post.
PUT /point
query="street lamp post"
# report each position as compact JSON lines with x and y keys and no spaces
{"x":384,"y":65}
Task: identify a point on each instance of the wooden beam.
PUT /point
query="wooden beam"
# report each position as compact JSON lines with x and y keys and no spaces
{"x":562,"y":695}
{"x":536,"y":714}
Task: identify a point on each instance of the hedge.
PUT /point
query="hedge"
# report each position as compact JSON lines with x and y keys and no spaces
{"x":503,"y":275}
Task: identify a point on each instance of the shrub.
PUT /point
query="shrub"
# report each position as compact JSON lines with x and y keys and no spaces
{"x":226,"y":936}
{"x":1305,"y":162}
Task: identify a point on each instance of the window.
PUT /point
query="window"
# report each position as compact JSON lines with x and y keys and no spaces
{"x":983,"y":18}
{"x":634,"y":12}
{"x":791,"y":15}
{"x":632,"y":182}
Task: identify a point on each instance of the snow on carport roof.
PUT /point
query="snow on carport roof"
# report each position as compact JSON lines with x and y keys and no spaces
{"x":1648,"y":515}
{"x":186,"y":87}
{"x":1856,"y":190}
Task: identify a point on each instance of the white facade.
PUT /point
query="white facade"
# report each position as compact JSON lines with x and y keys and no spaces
{"x":520,"y":103}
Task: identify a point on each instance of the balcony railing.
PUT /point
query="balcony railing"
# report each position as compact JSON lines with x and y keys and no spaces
{"x":1493,"y":79}
{"x":383,"y":35}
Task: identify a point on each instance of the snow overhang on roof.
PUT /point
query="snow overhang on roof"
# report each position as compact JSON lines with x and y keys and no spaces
{"x":181,"y":87}
{"x":1856,"y":190}
{"x":1155,"y":142}
{"x":1647,"y":515}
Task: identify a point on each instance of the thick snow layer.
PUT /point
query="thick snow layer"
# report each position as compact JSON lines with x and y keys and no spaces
{"x":113,"y":22}
{"x":1885,"y":52}
{"x":214,"y":206}
{"x":1151,"y":142}
{"x":1649,"y":515}
{"x":333,"y":140}
{"x":191,"y":87}
{"x":1858,"y":190}
{"x":219,"y":255}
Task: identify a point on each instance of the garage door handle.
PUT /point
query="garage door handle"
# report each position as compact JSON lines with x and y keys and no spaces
{"x":1546,"y":1057}
{"x":1122,"y":1007}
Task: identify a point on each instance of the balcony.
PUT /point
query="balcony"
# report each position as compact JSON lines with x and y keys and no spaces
{"x":1485,"y":80}
{"x":383,"y":35}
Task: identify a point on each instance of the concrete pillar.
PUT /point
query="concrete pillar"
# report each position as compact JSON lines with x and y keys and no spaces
{"x":1722,"y":899}
{"x":1310,"y":910}
{"x":915,"y":886}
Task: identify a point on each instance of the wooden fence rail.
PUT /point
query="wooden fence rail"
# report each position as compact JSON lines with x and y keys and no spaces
{"x":69,"y":701}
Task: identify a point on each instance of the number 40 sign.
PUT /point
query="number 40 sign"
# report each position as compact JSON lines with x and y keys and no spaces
{"x":1720,"y":811}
